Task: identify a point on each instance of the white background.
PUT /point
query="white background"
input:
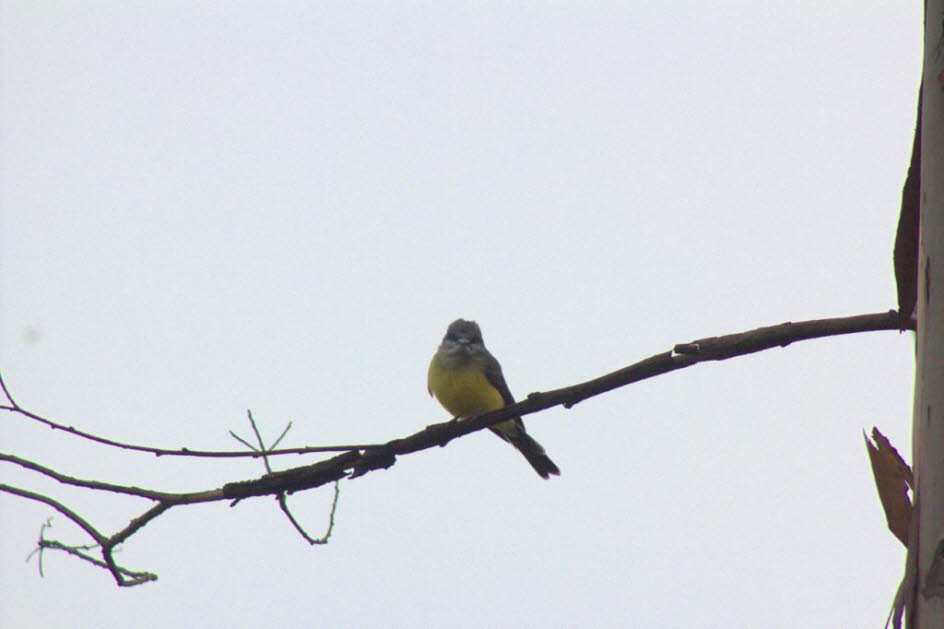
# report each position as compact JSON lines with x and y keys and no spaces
{"x":209,"y":207}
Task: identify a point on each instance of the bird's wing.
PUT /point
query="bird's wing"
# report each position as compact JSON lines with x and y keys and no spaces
{"x":493,"y":373}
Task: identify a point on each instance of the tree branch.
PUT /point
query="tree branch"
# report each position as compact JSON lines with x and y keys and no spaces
{"x":58,"y":506}
{"x":358,"y":460}
{"x":13,"y":407}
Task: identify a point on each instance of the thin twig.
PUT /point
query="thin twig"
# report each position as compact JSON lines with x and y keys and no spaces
{"x":88,"y":484}
{"x":61,"y":508}
{"x":137,"y":524}
{"x":13,"y":407}
{"x":275,"y":443}
{"x":280,"y":497}
{"x":298,"y":527}
{"x":251,"y":447}
{"x":262,"y":446}
{"x":133,"y":577}
{"x":6,"y":392}
{"x":39,"y":548}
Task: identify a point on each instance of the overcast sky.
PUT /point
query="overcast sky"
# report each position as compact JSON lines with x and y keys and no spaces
{"x":208,"y":207}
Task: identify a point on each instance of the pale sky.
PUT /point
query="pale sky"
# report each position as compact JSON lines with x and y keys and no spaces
{"x":208,"y":207}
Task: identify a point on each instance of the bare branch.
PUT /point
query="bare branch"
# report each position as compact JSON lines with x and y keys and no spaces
{"x":58,"y":506}
{"x":133,"y":577}
{"x":136,"y":524}
{"x":714,"y":348}
{"x":283,"y":503}
{"x":251,"y":447}
{"x":88,"y":484}
{"x":275,"y":443}
{"x":260,"y":441}
{"x":6,"y":393}
{"x":13,"y":407}
{"x":123,"y":576}
{"x":280,"y":497}
{"x":358,"y":460}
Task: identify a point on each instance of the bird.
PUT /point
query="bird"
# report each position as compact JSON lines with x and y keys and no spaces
{"x":467,"y":380}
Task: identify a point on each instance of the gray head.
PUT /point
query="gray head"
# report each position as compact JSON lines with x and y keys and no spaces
{"x":463,"y":339}
{"x":464,"y":332}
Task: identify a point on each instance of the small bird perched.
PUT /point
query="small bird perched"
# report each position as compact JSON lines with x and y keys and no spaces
{"x":467,"y":381}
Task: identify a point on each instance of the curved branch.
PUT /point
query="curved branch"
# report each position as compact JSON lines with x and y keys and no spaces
{"x":361,"y":460}
{"x":133,"y":577}
{"x":170,"y":498}
{"x":683,"y":355}
{"x":78,"y":482}
{"x":13,"y":407}
{"x":714,"y":348}
{"x":58,"y":506}
{"x":358,"y":460}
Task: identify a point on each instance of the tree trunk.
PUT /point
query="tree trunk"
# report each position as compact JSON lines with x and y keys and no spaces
{"x":926,"y":544}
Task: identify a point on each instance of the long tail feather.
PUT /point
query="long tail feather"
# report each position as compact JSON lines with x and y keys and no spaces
{"x":535,"y":454}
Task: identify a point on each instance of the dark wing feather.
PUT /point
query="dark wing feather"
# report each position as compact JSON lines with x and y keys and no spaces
{"x":493,"y":373}
{"x":530,"y":448}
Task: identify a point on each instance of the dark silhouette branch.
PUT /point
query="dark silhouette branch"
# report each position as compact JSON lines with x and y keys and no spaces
{"x":133,"y":577}
{"x":13,"y":407}
{"x":683,"y":355}
{"x":58,"y":506}
{"x":282,"y":500}
{"x":123,"y":577}
{"x":161,"y":496}
{"x":164,"y":501}
{"x":88,"y":484}
{"x":359,"y":460}
{"x":283,"y":504}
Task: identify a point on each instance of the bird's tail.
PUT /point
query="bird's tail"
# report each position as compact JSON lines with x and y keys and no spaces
{"x":535,"y":454}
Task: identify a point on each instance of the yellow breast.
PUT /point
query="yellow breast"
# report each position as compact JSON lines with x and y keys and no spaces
{"x":463,"y":389}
